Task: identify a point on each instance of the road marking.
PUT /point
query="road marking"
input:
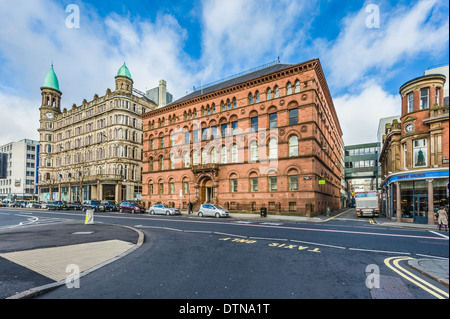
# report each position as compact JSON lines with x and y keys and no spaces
{"x":380,"y":251}
{"x":436,"y":257}
{"x":266,"y":238}
{"x":435,"y":232}
{"x":240,"y":236}
{"x":325,"y":220}
{"x":438,"y":293}
{"x":316,"y":244}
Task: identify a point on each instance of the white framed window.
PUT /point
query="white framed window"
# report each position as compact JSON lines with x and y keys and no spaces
{"x":420,"y":152}
{"x":424,"y":98}
{"x":410,"y":102}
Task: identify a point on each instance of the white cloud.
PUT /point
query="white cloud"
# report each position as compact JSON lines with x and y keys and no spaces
{"x":359,"y":114}
{"x":19,"y":119}
{"x":404,"y":33}
{"x":238,"y":33}
{"x":85,"y":59}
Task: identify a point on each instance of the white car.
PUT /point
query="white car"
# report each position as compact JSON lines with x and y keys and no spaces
{"x":162,"y":209}
{"x":212,"y":210}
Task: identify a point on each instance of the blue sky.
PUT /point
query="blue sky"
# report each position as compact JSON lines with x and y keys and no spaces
{"x":201,"y":41}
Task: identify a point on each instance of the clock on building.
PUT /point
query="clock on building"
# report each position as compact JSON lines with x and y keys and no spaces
{"x":49,"y":115}
{"x":408,"y":128}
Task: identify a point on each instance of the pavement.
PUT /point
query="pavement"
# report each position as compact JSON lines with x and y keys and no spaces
{"x":36,"y":259}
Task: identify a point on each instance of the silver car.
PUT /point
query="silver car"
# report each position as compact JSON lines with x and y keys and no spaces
{"x":162,"y":209}
{"x":212,"y":210}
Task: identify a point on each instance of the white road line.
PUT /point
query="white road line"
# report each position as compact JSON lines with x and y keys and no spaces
{"x":316,"y":244}
{"x":380,"y":251}
{"x":437,"y":257}
{"x":198,"y":231}
{"x":266,"y":238}
{"x":174,"y":229}
{"x":436,"y":233}
{"x":225,"y":234}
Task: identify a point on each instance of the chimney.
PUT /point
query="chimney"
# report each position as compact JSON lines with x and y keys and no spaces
{"x":162,"y":94}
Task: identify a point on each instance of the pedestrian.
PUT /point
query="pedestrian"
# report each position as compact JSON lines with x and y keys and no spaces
{"x":442,"y":217}
{"x":190,"y":206}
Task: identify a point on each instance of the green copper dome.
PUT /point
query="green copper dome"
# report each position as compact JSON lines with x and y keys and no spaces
{"x":123,"y":71}
{"x":51,"y":80}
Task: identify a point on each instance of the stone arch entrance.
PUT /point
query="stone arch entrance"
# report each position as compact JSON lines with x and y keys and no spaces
{"x":206,"y":191}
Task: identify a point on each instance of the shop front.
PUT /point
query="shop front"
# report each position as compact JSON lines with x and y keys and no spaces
{"x":415,"y":197}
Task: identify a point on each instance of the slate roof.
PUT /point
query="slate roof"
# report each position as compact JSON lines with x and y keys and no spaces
{"x":233,"y":81}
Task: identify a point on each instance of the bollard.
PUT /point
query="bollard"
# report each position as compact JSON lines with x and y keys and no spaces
{"x":89,"y":217}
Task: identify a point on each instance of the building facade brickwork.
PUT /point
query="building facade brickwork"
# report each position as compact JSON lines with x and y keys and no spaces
{"x":265,"y":138}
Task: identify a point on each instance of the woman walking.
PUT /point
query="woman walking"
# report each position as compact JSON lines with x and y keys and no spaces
{"x":442,"y":218}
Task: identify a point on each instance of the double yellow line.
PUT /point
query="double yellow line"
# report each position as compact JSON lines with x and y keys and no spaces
{"x":393,"y":263}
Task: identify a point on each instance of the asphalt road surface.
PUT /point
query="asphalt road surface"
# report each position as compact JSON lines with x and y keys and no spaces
{"x":206,"y":258}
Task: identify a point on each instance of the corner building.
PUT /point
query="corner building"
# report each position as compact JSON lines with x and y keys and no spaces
{"x":270,"y":137}
{"x":94,"y":150}
{"x":415,"y":153}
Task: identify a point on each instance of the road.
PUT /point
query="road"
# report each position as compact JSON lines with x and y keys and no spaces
{"x":206,"y":258}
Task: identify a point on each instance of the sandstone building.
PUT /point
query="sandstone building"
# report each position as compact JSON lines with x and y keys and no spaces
{"x":93,"y":150}
{"x":269,"y":137}
{"x":415,"y":153}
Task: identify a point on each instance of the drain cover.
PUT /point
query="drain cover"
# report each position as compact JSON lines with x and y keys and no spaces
{"x":83,"y":233}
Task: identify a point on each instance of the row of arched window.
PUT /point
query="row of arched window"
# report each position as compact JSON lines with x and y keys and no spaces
{"x":274,"y":93}
{"x":223,"y":155}
{"x":229,"y":104}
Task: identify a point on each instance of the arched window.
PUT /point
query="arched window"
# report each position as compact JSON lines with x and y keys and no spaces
{"x":234,"y":154}
{"x":289,"y":88}
{"x":204,"y":157}
{"x":273,"y":149}
{"x":293,"y":146}
{"x":253,"y":151}
{"x":186,"y":159}
{"x":213,"y":156}
{"x":250,"y":98}
{"x":269,"y":94}
{"x":223,"y":155}
{"x":234,"y":103}
{"x":297,"y":86}
{"x":161,"y":163}
{"x":257,"y":97}
{"x":277,"y":91}
{"x":172,"y":161}
{"x":195,"y":158}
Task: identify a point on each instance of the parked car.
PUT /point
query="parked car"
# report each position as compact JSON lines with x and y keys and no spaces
{"x":74,"y":205}
{"x":36,"y":205}
{"x":56,"y":205}
{"x":127,"y":207}
{"x":44,"y":205}
{"x":163,"y":209}
{"x":93,"y":204}
{"x":109,"y":206}
{"x":212,"y":210}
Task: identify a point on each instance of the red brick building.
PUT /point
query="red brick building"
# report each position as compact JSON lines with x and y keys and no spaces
{"x":269,"y":138}
{"x":414,"y":157}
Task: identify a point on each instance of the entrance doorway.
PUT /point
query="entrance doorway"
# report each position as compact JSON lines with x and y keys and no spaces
{"x":206,"y":192}
{"x":421,"y":209}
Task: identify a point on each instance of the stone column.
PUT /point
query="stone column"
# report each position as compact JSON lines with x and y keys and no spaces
{"x":399,"y":203}
{"x":430,"y":202}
